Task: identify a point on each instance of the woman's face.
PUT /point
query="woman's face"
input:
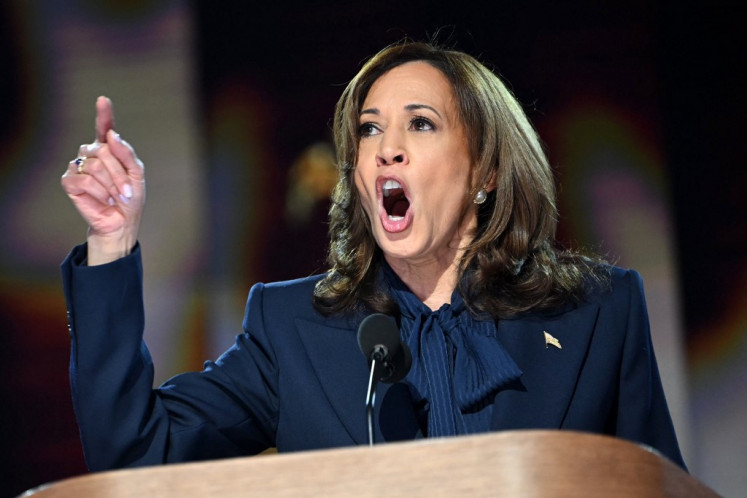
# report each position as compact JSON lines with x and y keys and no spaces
{"x":413,"y":166}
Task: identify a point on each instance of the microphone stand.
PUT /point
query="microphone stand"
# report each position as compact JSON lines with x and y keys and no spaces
{"x":377,"y":364}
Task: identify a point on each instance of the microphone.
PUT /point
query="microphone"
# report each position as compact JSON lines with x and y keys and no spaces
{"x":379,"y":340}
{"x":390,"y":359}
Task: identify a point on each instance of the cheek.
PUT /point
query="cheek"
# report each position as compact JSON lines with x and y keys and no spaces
{"x":359,"y":184}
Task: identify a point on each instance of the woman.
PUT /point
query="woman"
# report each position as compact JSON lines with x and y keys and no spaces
{"x":443,"y":217}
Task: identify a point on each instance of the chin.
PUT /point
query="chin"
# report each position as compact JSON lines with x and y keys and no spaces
{"x":399,"y":251}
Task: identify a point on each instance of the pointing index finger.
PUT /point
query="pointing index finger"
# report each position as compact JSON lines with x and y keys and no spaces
{"x":104,"y":118}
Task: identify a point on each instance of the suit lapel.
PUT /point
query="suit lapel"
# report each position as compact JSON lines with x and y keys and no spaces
{"x":342,"y":371}
{"x":542,"y":395}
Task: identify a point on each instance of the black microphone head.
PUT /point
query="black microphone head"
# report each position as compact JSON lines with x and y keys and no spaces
{"x":378,"y":330}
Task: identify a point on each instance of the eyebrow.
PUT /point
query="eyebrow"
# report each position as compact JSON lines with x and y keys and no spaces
{"x":408,"y":107}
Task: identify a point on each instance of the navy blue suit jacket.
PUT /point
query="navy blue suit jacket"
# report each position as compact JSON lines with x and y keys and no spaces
{"x":296,"y":380}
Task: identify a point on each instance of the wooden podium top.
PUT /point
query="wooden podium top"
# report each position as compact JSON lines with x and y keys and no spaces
{"x":514,"y":463}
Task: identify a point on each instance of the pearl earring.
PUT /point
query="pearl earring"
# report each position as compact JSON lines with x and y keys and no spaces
{"x":481,"y":196}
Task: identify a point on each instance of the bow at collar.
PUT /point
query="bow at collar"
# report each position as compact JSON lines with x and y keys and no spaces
{"x":458,"y":364}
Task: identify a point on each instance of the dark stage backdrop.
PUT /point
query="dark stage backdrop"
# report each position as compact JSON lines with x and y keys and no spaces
{"x":229,"y":104}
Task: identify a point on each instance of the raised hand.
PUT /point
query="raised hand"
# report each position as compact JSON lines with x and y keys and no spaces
{"x":107,"y":186}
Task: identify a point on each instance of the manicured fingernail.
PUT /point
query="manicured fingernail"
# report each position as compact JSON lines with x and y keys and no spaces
{"x":88,"y":149}
{"x":124,"y":199}
{"x":127,"y":189}
{"x":112,"y":201}
{"x":116,"y":136}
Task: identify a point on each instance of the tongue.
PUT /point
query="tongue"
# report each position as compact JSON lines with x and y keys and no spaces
{"x":399,"y":208}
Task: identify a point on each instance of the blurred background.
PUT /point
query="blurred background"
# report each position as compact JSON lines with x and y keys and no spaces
{"x":229,"y":106}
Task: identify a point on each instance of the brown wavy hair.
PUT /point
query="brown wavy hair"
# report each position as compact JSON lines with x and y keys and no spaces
{"x":512,"y":264}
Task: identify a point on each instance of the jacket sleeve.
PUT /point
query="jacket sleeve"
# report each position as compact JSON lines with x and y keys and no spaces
{"x":123,"y":421}
{"x":642,"y":412}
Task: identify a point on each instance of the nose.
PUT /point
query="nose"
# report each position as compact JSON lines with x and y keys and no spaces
{"x":391,"y":151}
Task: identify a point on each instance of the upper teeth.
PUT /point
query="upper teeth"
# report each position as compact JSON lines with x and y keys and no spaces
{"x":390,"y":185}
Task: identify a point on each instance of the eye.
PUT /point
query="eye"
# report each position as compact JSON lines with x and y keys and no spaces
{"x":419,"y":123}
{"x":368,"y":130}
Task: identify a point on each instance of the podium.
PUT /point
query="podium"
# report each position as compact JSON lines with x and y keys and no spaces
{"x":529,"y":463}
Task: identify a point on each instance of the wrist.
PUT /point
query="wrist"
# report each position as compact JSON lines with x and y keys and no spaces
{"x":104,"y":249}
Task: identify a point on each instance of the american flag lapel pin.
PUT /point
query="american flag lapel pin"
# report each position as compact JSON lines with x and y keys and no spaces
{"x":551,"y":340}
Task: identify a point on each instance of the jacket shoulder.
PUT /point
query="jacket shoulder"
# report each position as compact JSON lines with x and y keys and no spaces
{"x":284,"y":299}
{"x":620,"y":283}
{"x":289,"y":291}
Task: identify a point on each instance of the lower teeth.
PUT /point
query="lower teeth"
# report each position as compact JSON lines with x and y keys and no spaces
{"x":395,"y":218}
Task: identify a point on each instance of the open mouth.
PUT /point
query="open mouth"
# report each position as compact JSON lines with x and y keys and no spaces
{"x":395,"y":202}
